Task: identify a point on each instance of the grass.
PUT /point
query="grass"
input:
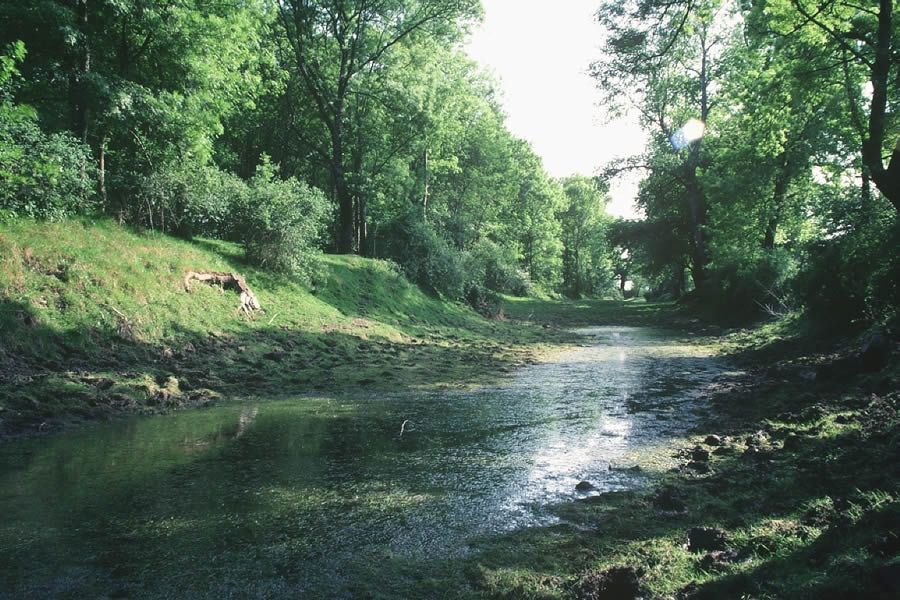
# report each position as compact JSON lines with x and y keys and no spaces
{"x":574,"y":313}
{"x":95,"y":321}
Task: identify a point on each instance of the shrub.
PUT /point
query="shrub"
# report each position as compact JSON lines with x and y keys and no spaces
{"x":280,"y":222}
{"x":425,"y":257}
{"x":853,"y":277}
{"x":494,"y":267}
{"x":749,"y":287}
{"x":188,"y":200}
{"x":485,"y":301}
{"x":43,"y":176}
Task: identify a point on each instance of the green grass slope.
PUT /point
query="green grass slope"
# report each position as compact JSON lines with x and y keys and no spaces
{"x":95,"y":320}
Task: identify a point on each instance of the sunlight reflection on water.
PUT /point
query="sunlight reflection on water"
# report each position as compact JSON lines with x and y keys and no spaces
{"x":331,"y":485}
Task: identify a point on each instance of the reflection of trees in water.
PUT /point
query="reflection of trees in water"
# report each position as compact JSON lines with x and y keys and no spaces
{"x":248,"y":416}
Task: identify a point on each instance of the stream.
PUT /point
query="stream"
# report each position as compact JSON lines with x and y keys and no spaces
{"x":338,"y":497}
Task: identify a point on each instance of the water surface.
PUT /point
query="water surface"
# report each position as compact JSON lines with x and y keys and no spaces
{"x":336,"y":497}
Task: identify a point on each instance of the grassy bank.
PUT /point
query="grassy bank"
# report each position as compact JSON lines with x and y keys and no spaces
{"x":95,"y":321}
{"x":788,"y":488}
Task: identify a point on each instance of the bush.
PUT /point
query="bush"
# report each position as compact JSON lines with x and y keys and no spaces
{"x":425,"y":257}
{"x":747,"y":288}
{"x":485,"y":301}
{"x":854,"y":277}
{"x":42,"y":176}
{"x":280,"y":222}
{"x":188,"y":200}
{"x":494,"y":267}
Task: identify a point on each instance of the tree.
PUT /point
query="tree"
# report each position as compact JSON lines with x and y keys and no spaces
{"x":671,"y":54}
{"x":856,"y":37}
{"x":146,"y":83}
{"x":584,"y":226}
{"x":333,"y":43}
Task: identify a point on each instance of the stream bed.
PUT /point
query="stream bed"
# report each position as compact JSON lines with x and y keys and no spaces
{"x":344,"y":497}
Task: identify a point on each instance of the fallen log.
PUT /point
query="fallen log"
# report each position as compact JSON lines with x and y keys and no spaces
{"x":249,"y":301}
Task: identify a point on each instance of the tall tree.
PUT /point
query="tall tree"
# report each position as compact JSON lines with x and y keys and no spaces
{"x":584,"y":223}
{"x":144,"y":82}
{"x":333,"y":43}
{"x":667,"y":56}
{"x":860,"y":37}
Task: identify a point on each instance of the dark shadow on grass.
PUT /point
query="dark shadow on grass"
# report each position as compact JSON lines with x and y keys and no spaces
{"x":852,"y":559}
{"x":102,"y":373}
{"x":575,"y":313}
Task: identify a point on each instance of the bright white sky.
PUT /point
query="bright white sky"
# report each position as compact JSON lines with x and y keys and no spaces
{"x":540,"y":51}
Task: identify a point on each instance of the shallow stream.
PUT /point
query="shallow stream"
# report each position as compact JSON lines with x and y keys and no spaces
{"x":337,"y":497}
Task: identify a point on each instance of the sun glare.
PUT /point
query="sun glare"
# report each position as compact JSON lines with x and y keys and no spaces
{"x":690,"y":132}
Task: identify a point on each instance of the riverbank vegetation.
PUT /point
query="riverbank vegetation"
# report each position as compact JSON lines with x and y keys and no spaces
{"x":769,"y":183}
{"x":97,"y":321}
{"x":292,"y":128}
{"x":349,"y":169}
{"x":785,"y":488}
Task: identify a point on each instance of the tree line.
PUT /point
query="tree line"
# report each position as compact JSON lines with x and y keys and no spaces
{"x":770,"y":183}
{"x":291,"y":126}
{"x":786,"y":195}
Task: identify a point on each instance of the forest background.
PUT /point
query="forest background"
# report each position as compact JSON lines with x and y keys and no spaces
{"x":361,"y":126}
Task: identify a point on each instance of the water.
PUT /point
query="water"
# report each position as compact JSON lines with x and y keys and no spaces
{"x":336,"y":497}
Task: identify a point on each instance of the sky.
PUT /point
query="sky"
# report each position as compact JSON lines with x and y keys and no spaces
{"x":540,"y":52}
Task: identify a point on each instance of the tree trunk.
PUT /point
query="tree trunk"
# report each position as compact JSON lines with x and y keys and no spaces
{"x":577,"y":260}
{"x":866,"y":187}
{"x":890,"y":178}
{"x":697,"y":207}
{"x":425,"y":191}
{"x":78,"y":96}
{"x":678,"y":282}
{"x":771,"y":229}
{"x":235,"y":281}
{"x":778,"y":196}
{"x":360,"y":208}
{"x":695,"y":195}
{"x":101,"y":173}
{"x":887,"y":180}
{"x":345,"y":215}
{"x":363,"y":233}
{"x":342,"y":194}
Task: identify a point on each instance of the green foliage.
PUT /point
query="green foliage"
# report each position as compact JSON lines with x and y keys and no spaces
{"x":177,"y":103}
{"x":279,"y":222}
{"x":41,"y":176}
{"x":188,"y":200}
{"x":743,"y":287}
{"x":425,"y":257}
{"x":777,"y":205}
{"x":145,"y":84}
{"x":852,"y":278}
{"x":491,"y":266}
{"x":588,"y":256}
{"x":109,"y":301}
